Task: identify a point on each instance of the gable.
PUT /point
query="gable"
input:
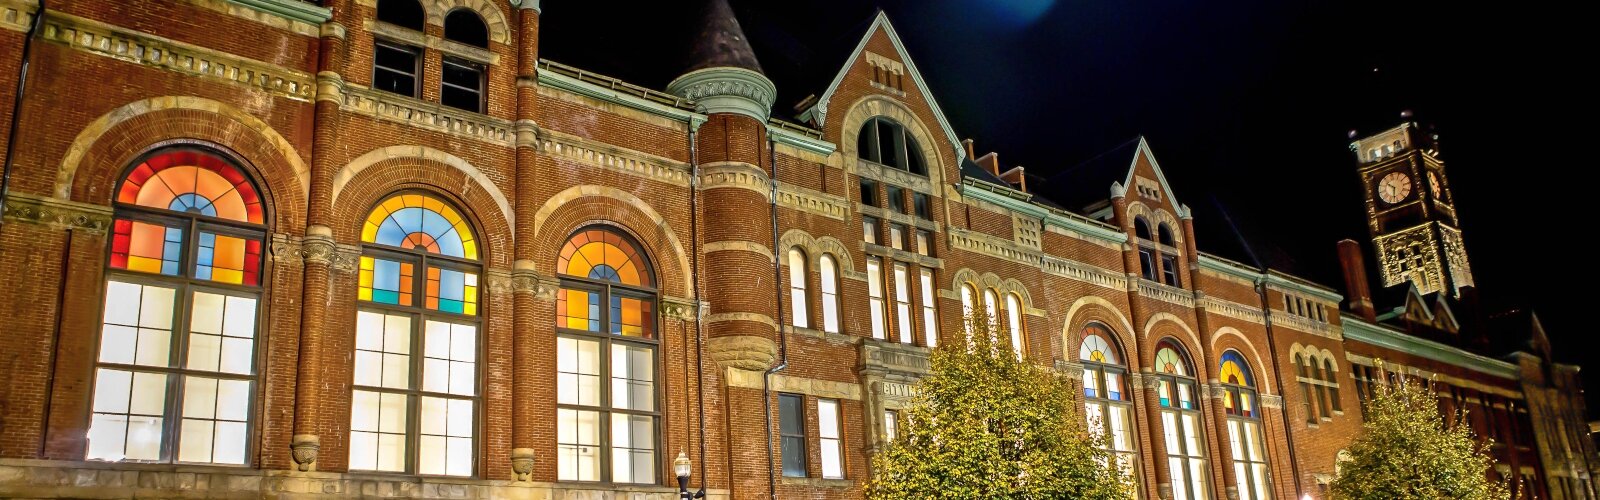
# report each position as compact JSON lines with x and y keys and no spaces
{"x":880,"y":48}
{"x":1145,"y":181}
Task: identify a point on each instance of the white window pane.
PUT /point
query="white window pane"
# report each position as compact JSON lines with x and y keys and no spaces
{"x":106,"y":434}
{"x":205,"y":351}
{"x":878,"y":327}
{"x":1191,"y":436}
{"x":369,"y":331}
{"x":431,"y":455}
{"x":832,"y":462}
{"x":1198,"y":475}
{"x":1257,"y":453}
{"x":1169,"y":430}
{"x":830,"y":313}
{"x":237,"y":355}
{"x":369,"y":368}
{"x":391,"y":452}
{"x":434,"y":416}
{"x":144,"y":438}
{"x":154,"y":347}
{"x":435,"y":375}
{"x":396,"y":371}
{"x":364,"y":411}
{"x":1233,"y":440}
{"x":797,"y":307}
{"x":1175,"y":471}
{"x":194,"y":440}
{"x":155,"y":308}
{"x":149,"y":394}
{"x":392,"y":413}
{"x":122,"y":303}
{"x":111,"y":390}
{"x":205,"y":314}
{"x":397,"y":334}
{"x":117,"y":343}
{"x":233,"y":400}
{"x":199,"y":397}
{"x":1260,"y":477}
{"x":459,"y":452}
{"x":828,"y":418}
{"x":464,"y":343}
{"x":462,"y":378}
{"x":436,"y":340}
{"x":363,"y":450}
{"x":460,"y":421}
{"x":241,"y":318}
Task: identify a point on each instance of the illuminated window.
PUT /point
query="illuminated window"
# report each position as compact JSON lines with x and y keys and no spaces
{"x":869,"y":230}
{"x":902,"y":303}
{"x":1252,"y":474}
{"x":1331,"y":376}
{"x":417,"y":314}
{"x":969,"y":312}
{"x":607,"y":415}
{"x":1107,"y":402}
{"x":930,"y":323}
{"x":175,"y":375}
{"x":875,"y":297}
{"x":991,"y":312}
{"x":1179,"y":398}
{"x":891,"y":424}
{"x":1014,"y":323}
{"x":828,"y":439}
{"x":830,"y":293}
{"x":799,"y":315}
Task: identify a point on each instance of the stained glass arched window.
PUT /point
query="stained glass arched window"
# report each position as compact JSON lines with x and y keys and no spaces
{"x":1177,"y":393}
{"x":1106,"y":399}
{"x":607,"y":413}
{"x":176,"y":370}
{"x":1244,"y":427}
{"x":415,"y":245}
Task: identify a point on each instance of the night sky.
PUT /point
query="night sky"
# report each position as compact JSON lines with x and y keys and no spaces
{"x":1246,"y":105}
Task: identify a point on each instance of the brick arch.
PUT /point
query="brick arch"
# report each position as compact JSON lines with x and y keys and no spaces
{"x":424,"y":153}
{"x":102,"y":151}
{"x":876,"y":105}
{"x":493,"y":17}
{"x":1015,"y":286}
{"x":583,"y":205}
{"x":1156,"y":217}
{"x":1188,"y":339}
{"x":377,"y":181}
{"x":1229,"y":337}
{"x":1098,"y":310}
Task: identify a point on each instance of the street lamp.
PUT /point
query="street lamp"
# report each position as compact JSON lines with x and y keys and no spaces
{"x":682,"y":467}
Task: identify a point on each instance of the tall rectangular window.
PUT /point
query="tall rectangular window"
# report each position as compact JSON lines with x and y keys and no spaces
{"x":891,"y":424}
{"x":875,"y":297}
{"x":920,"y":205}
{"x":924,"y":243}
{"x":830,"y":293}
{"x":792,"y":431}
{"x":897,"y":236}
{"x":1169,"y":269}
{"x":869,"y":230}
{"x":461,"y":85}
{"x":896,"y":199}
{"x":1249,"y":459}
{"x":930,"y":324}
{"x":902,"y":303}
{"x":387,"y":406}
{"x":1147,"y":264}
{"x":395,"y":68}
{"x":828,"y":439}
{"x":799,"y":315}
{"x":869,"y":192}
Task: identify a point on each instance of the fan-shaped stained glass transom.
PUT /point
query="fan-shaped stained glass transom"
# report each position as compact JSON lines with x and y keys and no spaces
{"x":419,"y":221}
{"x":1235,"y":371}
{"x":192,"y":182}
{"x":1095,"y":347}
{"x":602,"y":255}
{"x":1169,"y":361}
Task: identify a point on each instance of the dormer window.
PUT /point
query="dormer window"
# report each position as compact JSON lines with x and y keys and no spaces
{"x":885,"y":142}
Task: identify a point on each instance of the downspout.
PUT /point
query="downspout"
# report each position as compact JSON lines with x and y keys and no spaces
{"x":783,"y":339}
{"x":1272,"y":348}
{"x":16,"y":106}
{"x":694,"y":269}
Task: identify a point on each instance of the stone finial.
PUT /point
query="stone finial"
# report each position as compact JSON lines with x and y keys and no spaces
{"x":303,"y":449}
{"x":522,"y":463}
{"x":745,"y":352}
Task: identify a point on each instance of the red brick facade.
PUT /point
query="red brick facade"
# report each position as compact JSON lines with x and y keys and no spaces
{"x":291,"y":97}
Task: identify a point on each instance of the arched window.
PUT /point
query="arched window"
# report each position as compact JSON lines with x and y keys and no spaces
{"x":465,"y":26}
{"x":991,"y":306}
{"x":175,"y":376}
{"x":1147,"y":252}
{"x":418,"y":314}
{"x":402,"y":13}
{"x":607,"y":415}
{"x":1253,"y":477}
{"x":1164,"y":234}
{"x":830,"y":293}
{"x":1107,"y":401}
{"x":886,"y":142}
{"x":799,"y":314}
{"x":969,"y":311}
{"x":1179,"y":396}
{"x":1169,"y":254}
{"x":1331,"y":376}
{"x":461,"y":82}
{"x":1302,"y":367}
{"x":1014,"y":323}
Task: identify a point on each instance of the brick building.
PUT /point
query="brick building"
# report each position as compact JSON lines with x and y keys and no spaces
{"x":380,"y":247}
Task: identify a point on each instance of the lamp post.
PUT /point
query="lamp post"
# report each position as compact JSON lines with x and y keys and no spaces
{"x":683,"y":467}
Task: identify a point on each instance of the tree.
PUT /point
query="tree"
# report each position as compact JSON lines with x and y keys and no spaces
{"x":985,"y":424}
{"x":1406,"y":450}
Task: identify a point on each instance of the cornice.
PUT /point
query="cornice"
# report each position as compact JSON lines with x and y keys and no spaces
{"x":799,"y":140}
{"x":1050,"y":216}
{"x":618,"y":92}
{"x":569,"y":147}
{"x":728,"y":174}
{"x":962,"y":239}
{"x":17,"y":15}
{"x":1169,"y":294}
{"x":1362,"y":331}
{"x":294,"y":10}
{"x":57,"y":213}
{"x":1307,"y":325}
{"x":812,"y":201}
{"x":1284,"y":282}
{"x":1231,"y":309}
{"x":727,"y":90}
{"x":428,"y":115}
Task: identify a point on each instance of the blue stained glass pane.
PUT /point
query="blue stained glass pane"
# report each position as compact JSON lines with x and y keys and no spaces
{"x":604,"y":272}
{"x":385,"y":275}
{"x":1088,"y":391}
{"x":1116,"y":395}
{"x":433,"y":224}
{"x":169,"y":268}
{"x":451,"y":287}
{"x":385,"y":296}
{"x":450,"y":244}
{"x":1166,"y":402}
{"x":409,"y":219}
{"x":1188,"y":405}
{"x":450,"y":306}
{"x":390,"y":233}
{"x":616,"y":315}
{"x":594,"y":312}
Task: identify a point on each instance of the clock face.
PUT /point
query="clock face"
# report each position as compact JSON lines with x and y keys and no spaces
{"x":1394,"y":187}
{"x":1433,"y":185}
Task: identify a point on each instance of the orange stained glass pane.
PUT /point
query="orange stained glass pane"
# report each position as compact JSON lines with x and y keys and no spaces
{"x":192,"y":182}
{"x":420,"y":221}
{"x":603,"y":255}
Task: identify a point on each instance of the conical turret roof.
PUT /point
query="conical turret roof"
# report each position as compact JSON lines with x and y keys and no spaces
{"x":721,"y":43}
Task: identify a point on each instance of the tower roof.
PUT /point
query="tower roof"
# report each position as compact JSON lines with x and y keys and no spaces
{"x":721,"y":43}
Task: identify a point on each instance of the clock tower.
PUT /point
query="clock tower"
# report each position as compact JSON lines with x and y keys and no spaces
{"x":1410,"y":211}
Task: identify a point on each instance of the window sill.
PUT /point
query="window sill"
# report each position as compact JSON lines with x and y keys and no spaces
{"x":901,"y":255}
{"x":812,"y":332}
{"x":817,"y":482}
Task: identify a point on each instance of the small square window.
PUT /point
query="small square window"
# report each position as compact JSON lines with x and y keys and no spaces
{"x":394,"y":68}
{"x":869,"y":192}
{"x":896,"y":199}
{"x":461,"y":85}
{"x":924,"y":243}
{"x":920,"y":202}
{"x":869,"y":230}
{"x":897,"y":236}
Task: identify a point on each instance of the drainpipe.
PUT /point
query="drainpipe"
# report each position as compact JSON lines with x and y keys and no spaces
{"x":783,"y":339}
{"x":16,"y":105}
{"x":1272,"y":348}
{"x":694,"y":270}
